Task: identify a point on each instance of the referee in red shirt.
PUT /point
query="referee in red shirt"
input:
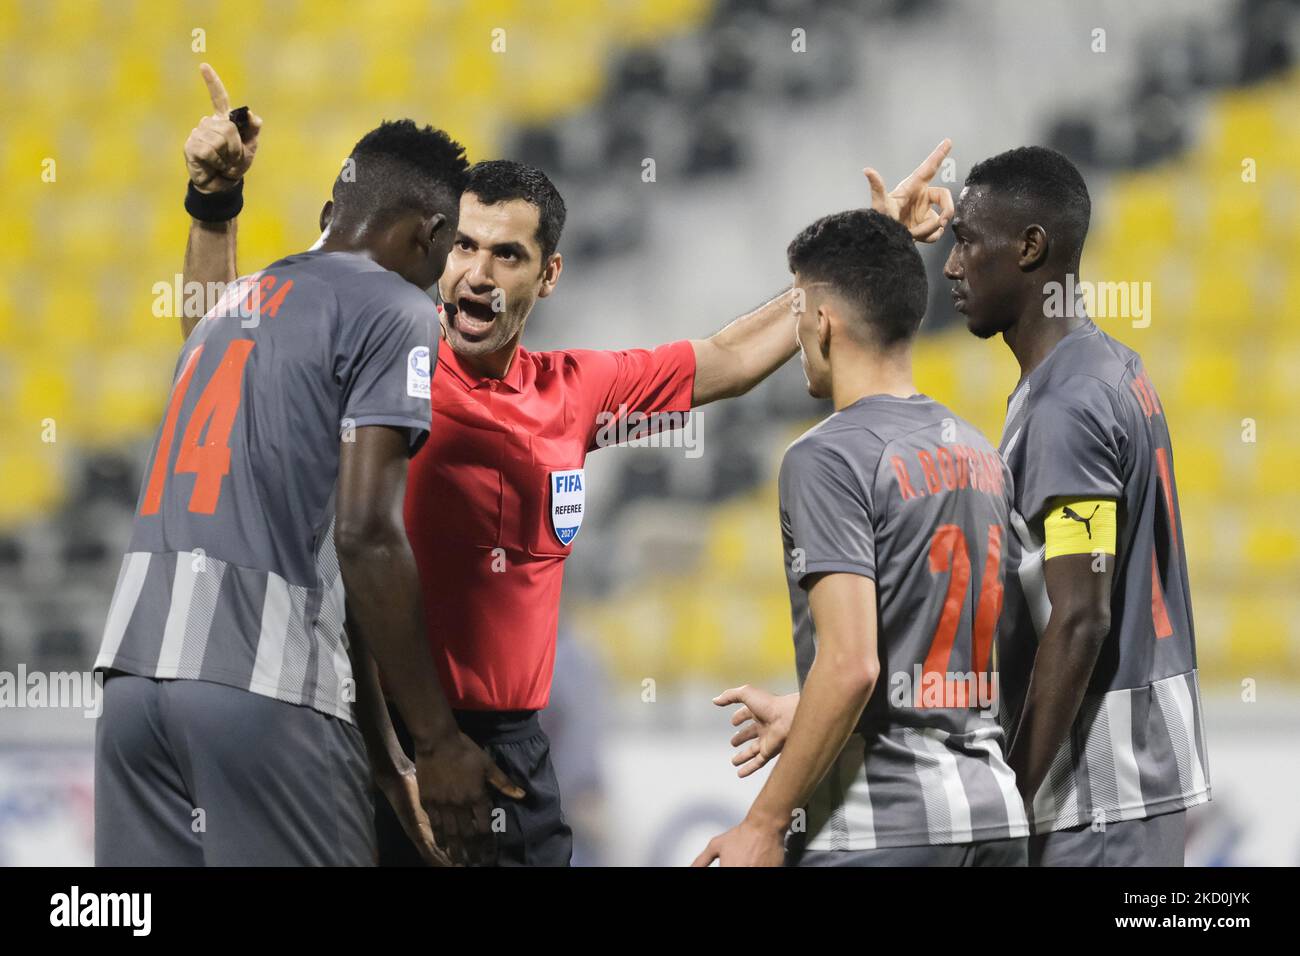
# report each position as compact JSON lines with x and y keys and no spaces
{"x":496,"y":495}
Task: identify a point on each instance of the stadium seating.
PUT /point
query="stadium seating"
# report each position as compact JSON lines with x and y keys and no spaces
{"x":1220,"y":252}
{"x":689,"y":582}
{"x":84,"y":363}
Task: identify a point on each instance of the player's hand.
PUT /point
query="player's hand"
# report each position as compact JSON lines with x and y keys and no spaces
{"x":456,"y":784}
{"x":745,"y":845}
{"x":217,"y":154}
{"x":912,"y":202}
{"x":764,"y":722}
{"x":402,"y":790}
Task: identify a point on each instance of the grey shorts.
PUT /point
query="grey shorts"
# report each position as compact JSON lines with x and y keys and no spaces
{"x":191,"y":773}
{"x":1155,"y":841}
{"x":1012,"y":852}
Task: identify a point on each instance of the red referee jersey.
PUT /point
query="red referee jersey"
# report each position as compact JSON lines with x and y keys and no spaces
{"x":502,"y":454}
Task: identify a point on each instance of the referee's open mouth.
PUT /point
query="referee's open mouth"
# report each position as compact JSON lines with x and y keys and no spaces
{"x":474,"y":317}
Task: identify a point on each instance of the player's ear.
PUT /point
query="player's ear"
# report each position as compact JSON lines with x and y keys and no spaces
{"x":1033,"y":247}
{"x":823,"y":330}
{"x":326,"y":214}
{"x":551,"y":275}
{"x":431,"y":227}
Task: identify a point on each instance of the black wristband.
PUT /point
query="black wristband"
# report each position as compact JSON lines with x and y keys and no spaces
{"x":215,"y":207}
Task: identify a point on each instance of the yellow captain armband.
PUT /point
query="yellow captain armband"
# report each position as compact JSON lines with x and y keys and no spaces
{"x":1080,"y":527}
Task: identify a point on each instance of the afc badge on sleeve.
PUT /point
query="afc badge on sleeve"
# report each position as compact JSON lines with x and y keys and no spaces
{"x":418,"y":376}
{"x":568,"y":497}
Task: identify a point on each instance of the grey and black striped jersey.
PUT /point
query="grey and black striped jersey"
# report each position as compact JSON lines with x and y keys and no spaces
{"x":902,"y":491}
{"x":231,"y":575}
{"x":1087,"y":424}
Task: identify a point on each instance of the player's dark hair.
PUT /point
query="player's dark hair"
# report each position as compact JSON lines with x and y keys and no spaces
{"x":501,"y":180}
{"x":1046,"y":186}
{"x":399,"y":167}
{"x":871,"y":261}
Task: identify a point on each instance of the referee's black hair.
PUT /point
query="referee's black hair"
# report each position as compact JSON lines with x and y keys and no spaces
{"x":397,"y":168}
{"x":501,"y":180}
{"x":871,"y":261}
{"x":1046,"y":187}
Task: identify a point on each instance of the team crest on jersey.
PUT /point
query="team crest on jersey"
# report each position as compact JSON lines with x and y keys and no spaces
{"x":417,"y":373}
{"x":568,"y":498}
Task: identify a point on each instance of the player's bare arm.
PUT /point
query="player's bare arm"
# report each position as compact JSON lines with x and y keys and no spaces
{"x":384,"y":608}
{"x":763,"y":721}
{"x":1078,"y":585}
{"x":393,"y":772}
{"x":218,"y":154}
{"x":748,"y":350}
{"x":839,"y":684}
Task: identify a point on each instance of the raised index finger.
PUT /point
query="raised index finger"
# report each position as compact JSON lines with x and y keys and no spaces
{"x":216,"y":90}
{"x":930,"y":165}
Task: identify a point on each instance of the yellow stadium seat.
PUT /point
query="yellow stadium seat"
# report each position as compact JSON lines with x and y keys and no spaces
{"x":130,"y":396}
{"x":1243,"y":118}
{"x":1236,"y":211}
{"x":1198,"y":465}
{"x":935,"y":368}
{"x":1278,"y":382}
{"x":1207,"y":379}
{"x":1273,"y":461}
{"x":1262,"y":632}
{"x":1143,"y":209}
{"x":1223,"y":296}
{"x":1272,"y":544}
{"x":31,"y":475}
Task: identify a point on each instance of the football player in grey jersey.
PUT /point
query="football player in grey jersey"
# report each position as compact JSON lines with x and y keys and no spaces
{"x":1097,"y":652}
{"x":237,"y":713}
{"x":894,"y":517}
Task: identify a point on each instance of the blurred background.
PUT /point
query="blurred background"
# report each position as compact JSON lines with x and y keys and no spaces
{"x":759,"y":116}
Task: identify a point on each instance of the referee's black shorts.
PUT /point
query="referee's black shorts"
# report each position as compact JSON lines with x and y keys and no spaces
{"x":535,"y":833}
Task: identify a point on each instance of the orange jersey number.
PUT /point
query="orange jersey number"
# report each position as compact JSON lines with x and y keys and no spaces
{"x":213,"y":418}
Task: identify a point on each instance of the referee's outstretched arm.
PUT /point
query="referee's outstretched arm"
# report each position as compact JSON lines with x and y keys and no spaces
{"x":736,"y":358}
